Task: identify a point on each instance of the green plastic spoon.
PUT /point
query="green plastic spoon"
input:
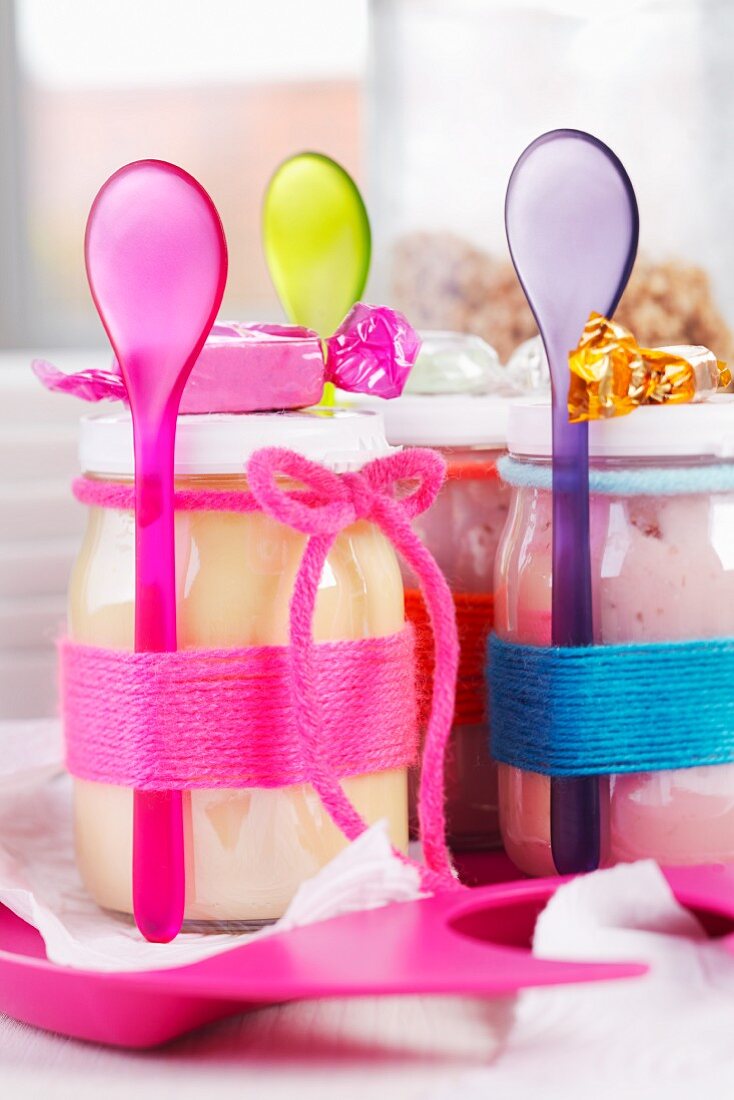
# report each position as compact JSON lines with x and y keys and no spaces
{"x":317,"y":241}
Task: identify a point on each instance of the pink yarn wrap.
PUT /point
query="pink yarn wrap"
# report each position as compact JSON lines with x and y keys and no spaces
{"x":323,"y":505}
{"x":227,"y":718}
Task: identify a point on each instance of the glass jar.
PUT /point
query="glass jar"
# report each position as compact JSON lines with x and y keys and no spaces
{"x":247,"y":850}
{"x":462,"y":531}
{"x":662,"y":570}
{"x":460,"y":87}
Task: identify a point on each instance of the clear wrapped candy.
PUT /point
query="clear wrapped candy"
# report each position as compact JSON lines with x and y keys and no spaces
{"x":451,"y":362}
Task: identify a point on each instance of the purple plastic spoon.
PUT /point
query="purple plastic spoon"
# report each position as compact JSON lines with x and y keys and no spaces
{"x":157,"y":265}
{"x":572,"y":226}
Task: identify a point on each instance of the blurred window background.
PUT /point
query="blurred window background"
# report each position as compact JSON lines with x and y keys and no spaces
{"x":229,"y":88}
{"x":226,"y":89}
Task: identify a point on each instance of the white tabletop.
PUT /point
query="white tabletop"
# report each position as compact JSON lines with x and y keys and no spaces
{"x":427,"y":1048}
{"x":371,"y":1049}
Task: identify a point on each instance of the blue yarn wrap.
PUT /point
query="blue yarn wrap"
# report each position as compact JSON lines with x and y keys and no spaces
{"x":611,"y":709}
{"x":627,"y":481}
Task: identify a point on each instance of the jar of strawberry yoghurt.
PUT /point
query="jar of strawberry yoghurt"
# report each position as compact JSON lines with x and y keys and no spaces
{"x":462,"y":531}
{"x":662,"y":559}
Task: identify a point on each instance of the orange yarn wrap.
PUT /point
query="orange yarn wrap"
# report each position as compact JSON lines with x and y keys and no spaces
{"x":471,"y":471}
{"x":474,"y":618}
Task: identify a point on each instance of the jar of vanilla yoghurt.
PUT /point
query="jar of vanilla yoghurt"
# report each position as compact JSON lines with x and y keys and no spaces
{"x":247,"y":850}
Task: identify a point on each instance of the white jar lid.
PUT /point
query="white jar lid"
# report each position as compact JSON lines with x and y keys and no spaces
{"x":703,"y":430}
{"x":442,"y":420}
{"x":221,"y":443}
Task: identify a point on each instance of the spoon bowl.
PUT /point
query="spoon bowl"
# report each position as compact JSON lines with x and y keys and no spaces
{"x":317,"y":241}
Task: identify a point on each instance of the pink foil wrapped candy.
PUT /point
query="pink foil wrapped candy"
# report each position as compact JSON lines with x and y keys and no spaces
{"x":255,"y":368}
{"x":372,"y":351}
{"x":90,"y":385}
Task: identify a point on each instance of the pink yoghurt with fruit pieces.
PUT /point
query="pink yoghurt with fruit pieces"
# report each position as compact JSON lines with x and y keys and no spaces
{"x":662,"y":570}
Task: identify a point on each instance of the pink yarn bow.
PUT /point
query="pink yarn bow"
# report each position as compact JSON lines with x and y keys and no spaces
{"x":331,"y":503}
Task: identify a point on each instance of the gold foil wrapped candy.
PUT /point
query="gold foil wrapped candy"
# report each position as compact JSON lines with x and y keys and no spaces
{"x":611,"y":374}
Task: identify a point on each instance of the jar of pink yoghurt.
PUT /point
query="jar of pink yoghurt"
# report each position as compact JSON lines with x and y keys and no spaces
{"x":662,"y":559}
{"x":462,"y":530}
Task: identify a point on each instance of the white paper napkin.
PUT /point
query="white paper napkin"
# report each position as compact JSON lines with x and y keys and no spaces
{"x":39,"y":880}
{"x":669,"y":1034}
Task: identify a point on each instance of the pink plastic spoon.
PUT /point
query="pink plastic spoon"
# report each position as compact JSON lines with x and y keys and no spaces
{"x":157,"y":265}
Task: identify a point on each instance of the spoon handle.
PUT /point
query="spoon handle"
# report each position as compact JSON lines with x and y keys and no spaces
{"x":158,"y":864}
{"x":158,"y":851}
{"x":574,"y":801}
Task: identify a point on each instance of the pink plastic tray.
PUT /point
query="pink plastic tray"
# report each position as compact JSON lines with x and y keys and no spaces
{"x":476,"y":944}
